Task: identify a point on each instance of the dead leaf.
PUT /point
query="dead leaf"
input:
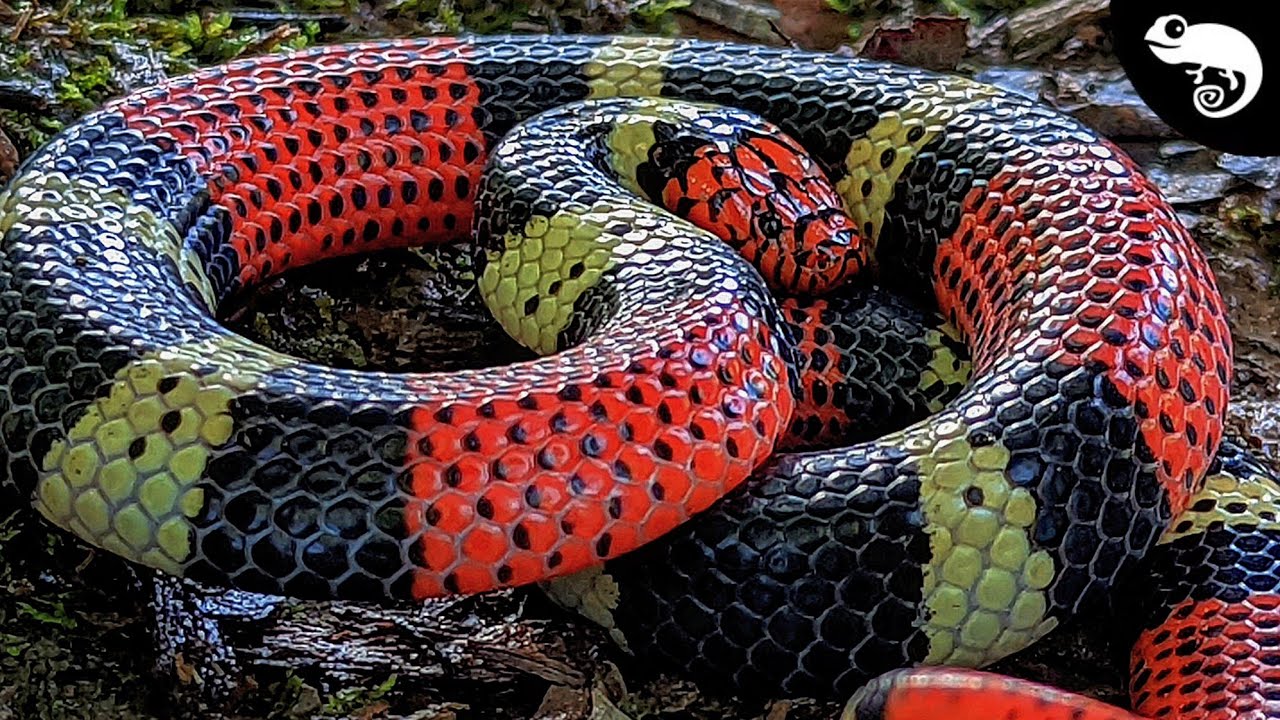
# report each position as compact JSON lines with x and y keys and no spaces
{"x":602,"y":708}
{"x":779,"y":710}
{"x":8,"y":158}
{"x":373,"y":710}
{"x":564,"y":703}
{"x":937,"y":43}
{"x":186,"y":672}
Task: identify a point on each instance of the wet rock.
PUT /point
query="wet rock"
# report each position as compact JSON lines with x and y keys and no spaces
{"x":1262,"y":172}
{"x":1188,"y":186}
{"x":1258,"y":421}
{"x":751,"y":19}
{"x":1063,"y":30}
{"x":1180,"y":148}
{"x":1044,"y":27}
{"x":1106,"y":101}
{"x":1102,"y":99}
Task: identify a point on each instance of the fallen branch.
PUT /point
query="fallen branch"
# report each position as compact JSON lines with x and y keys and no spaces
{"x":22,"y":96}
{"x":465,"y":650}
{"x":1041,"y":28}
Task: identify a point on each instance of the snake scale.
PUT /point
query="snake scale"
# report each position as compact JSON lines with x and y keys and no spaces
{"x":1087,"y":441}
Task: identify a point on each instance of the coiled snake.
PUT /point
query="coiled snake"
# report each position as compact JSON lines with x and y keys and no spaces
{"x":1100,"y":353}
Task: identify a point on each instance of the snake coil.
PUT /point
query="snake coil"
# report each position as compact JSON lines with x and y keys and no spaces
{"x":1101,"y":357}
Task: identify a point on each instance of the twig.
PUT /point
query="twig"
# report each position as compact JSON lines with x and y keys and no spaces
{"x":773,"y":25}
{"x":328,"y":21}
{"x":22,"y":23}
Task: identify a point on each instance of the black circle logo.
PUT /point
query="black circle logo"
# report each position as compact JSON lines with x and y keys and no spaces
{"x":1210,"y":70}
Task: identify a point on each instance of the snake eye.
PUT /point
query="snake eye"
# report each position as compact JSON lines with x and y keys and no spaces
{"x":1175,"y":28}
{"x":770,"y":224}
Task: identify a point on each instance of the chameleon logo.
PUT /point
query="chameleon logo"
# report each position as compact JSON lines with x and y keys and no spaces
{"x":1209,"y":45}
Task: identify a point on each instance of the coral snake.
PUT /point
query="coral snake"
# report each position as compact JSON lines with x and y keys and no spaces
{"x":963,"y":519}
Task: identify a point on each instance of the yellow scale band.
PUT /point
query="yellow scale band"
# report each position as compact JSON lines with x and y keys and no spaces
{"x":945,"y":369}
{"x":125,"y":478}
{"x":629,"y":67}
{"x":876,"y":161}
{"x":120,"y":482}
{"x":629,"y":144}
{"x":531,"y":285}
{"x":534,"y":282}
{"x":1228,"y":500}
{"x":984,"y":585}
{"x":54,"y":199}
{"x":868,"y":186}
{"x":632,"y":138}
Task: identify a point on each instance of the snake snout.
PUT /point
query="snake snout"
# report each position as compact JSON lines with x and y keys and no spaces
{"x":829,"y":250}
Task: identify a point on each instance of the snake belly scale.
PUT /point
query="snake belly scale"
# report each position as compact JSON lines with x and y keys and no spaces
{"x":1101,"y":357}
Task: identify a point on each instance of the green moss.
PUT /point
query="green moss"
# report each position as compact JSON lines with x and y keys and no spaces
{"x":28,"y":130}
{"x":86,"y":82}
{"x":973,"y":9}
{"x":84,"y":67}
{"x":67,"y":650}
{"x":195,"y":39}
{"x":455,"y":16}
{"x":53,"y":613}
{"x":350,"y":702}
{"x":291,"y":698}
{"x":659,"y":14}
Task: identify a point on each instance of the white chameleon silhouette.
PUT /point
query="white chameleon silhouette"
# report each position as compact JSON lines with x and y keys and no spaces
{"x":1208,"y":45}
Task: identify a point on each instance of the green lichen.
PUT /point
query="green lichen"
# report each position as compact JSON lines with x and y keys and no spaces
{"x":84,"y":66}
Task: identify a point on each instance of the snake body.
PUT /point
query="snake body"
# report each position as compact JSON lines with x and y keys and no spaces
{"x":1100,"y":353}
